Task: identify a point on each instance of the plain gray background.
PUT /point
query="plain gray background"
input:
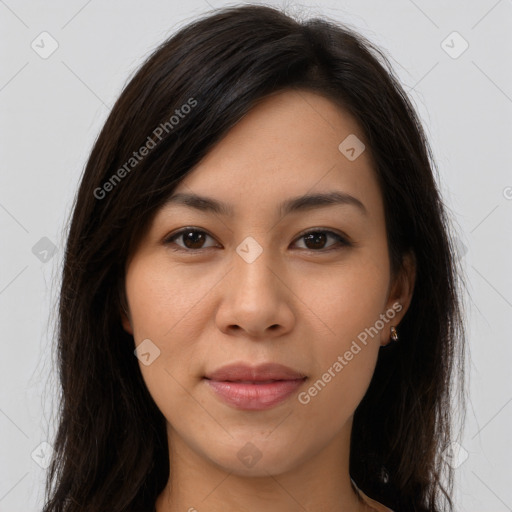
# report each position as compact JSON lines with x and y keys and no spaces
{"x":53,"y":108}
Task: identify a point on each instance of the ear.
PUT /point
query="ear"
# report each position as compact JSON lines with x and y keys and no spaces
{"x":400,"y":295}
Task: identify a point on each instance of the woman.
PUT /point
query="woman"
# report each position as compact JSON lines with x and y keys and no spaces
{"x":259,"y":307}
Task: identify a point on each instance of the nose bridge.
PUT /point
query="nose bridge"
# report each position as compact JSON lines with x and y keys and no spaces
{"x":253,"y":267}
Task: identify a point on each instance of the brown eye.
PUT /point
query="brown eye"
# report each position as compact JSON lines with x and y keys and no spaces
{"x":191,"y":238}
{"x":316,"y":240}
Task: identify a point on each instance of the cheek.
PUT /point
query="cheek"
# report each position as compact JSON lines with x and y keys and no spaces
{"x":348,"y":299}
{"x":167,"y":305}
{"x":349,"y":305}
{"x":164,"y":299}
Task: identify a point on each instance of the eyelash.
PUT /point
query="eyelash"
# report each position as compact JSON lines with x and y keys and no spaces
{"x":341,"y":240}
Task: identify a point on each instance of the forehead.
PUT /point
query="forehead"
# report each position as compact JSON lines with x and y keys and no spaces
{"x":290,"y":144}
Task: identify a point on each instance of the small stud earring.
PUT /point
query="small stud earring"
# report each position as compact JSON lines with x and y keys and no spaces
{"x":394,"y":334}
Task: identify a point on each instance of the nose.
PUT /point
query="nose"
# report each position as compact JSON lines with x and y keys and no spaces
{"x":256,"y":299}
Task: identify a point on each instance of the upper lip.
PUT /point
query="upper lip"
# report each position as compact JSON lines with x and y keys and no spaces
{"x":262,"y":372}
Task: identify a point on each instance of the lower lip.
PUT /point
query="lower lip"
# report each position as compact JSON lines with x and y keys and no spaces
{"x":255,"y":397}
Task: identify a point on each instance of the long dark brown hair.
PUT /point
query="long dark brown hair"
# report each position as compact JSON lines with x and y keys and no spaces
{"x":110,"y":450}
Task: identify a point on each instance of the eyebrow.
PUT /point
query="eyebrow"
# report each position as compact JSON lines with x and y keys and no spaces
{"x":295,"y":204}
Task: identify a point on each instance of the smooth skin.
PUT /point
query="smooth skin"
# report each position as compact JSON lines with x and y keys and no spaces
{"x":302,"y":302}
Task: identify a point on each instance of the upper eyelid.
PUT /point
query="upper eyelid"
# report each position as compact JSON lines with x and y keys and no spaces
{"x":181,"y":231}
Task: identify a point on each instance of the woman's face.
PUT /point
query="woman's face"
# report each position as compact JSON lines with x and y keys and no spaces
{"x":247,"y":285}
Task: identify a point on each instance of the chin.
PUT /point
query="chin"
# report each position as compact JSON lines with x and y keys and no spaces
{"x":255,"y":460}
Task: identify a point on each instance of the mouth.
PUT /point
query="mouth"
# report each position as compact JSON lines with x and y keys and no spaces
{"x":255,"y":388}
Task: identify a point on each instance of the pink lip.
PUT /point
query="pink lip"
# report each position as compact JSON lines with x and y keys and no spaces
{"x":243,"y":371}
{"x":255,"y":396}
{"x":254,"y":388}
